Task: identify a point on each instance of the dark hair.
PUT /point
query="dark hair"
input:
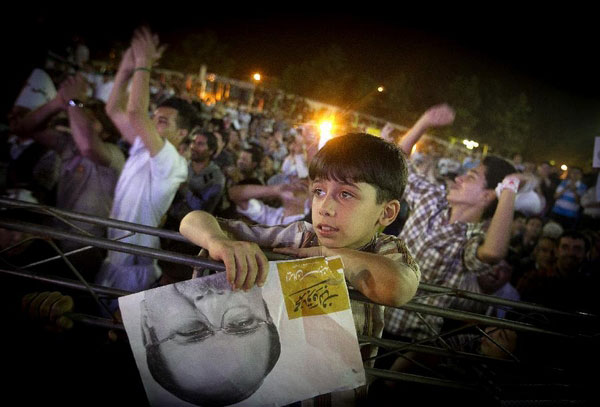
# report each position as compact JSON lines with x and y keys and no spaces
{"x":536,"y":217}
{"x":186,"y":112}
{"x":211,"y":139}
{"x":542,"y":237}
{"x":360,"y":157}
{"x":576,"y":235}
{"x":256,"y":152}
{"x":519,"y":215}
{"x":496,"y":169}
{"x":224,"y":137}
{"x":164,"y":377}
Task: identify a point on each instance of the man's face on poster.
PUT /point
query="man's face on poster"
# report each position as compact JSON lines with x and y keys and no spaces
{"x":214,"y":343}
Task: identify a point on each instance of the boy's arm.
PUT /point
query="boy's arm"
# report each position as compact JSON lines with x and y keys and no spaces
{"x":378,"y":277}
{"x":495,"y":246}
{"x":436,"y":116}
{"x":245,"y":263}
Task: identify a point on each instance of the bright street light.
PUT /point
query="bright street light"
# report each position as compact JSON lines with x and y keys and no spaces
{"x":256,"y":77}
{"x":380,"y":89}
{"x":470,"y":144}
{"x":564,"y":167}
{"x":325,"y":132}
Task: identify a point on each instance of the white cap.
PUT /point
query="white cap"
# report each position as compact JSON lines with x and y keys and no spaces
{"x":552,"y":230}
{"x":38,"y":90}
{"x":528,"y":203}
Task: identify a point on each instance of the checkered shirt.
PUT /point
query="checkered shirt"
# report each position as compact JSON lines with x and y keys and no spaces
{"x":446,"y":254}
{"x":368,"y":318}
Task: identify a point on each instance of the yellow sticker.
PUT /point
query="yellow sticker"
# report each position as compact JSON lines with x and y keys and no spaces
{"x":313,"y":286}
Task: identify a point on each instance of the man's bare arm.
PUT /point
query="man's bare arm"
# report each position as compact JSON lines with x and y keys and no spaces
{"x":146,"y":52}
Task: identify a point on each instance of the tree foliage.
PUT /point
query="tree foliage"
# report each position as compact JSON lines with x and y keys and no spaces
{"x":192,"y":49}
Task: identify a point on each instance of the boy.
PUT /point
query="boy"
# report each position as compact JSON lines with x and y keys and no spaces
{"x":456,"y":234}
{"x":354,"y":197}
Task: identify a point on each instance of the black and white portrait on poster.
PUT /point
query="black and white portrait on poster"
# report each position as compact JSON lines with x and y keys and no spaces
{"x":198,"y":343}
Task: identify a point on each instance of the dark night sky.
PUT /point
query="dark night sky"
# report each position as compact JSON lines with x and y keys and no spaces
{"x":551,"y":54}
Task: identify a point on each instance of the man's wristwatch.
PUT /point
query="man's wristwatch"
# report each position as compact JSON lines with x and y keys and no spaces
{"x":75,"y":103}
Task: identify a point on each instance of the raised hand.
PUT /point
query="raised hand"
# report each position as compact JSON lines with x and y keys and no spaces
{"x":146,"y":48}
{"x":387,"y":130}
{"x":438,"y":116}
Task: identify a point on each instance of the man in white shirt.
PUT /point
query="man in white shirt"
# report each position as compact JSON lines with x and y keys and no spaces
{"x":154,"y":169}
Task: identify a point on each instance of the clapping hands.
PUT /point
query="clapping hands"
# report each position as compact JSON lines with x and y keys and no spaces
{"x":74,"y":87}
{"x":146,"y":48}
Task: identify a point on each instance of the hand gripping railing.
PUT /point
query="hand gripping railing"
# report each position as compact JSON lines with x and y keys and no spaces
{"x":193,"y":261}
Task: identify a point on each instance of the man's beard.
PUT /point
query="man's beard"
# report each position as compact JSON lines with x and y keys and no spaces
{"x":199,"y":157}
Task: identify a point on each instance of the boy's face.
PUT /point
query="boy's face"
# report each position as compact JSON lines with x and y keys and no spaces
{"x":469,"y":188}
{"x":345,"y":215}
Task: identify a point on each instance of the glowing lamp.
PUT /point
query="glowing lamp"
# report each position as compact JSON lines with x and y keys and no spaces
{"x":325,"y":128}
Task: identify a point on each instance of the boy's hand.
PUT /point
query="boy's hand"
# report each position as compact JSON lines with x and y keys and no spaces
{"x":315,"y":251}
{"x":438,"y":116}
{"x":245,"y":263}
{"x":387,"y":130}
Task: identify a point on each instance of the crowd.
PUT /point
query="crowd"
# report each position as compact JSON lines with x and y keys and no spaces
{"x":136,"y":148}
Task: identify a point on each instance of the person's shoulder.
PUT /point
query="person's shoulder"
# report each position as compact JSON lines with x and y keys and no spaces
{"x":385,"y":243}
{"x":217,"y":172}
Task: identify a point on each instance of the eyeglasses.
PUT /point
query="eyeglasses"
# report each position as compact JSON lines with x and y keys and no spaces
{"x":202,"y":329}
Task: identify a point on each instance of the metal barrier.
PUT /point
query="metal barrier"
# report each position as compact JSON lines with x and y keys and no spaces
{"x":397,"y":348}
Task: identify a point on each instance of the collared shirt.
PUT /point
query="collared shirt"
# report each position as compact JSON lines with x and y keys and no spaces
{"x":368,"y":318}
{"x":446,"y":253}
{"x":203,"y":191}
{"x":143,"y":194}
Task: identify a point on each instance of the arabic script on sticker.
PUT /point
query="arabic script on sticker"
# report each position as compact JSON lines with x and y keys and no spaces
{"x":313,"y":286}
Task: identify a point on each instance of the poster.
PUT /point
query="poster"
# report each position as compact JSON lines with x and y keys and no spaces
{"x":198,"y":342}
